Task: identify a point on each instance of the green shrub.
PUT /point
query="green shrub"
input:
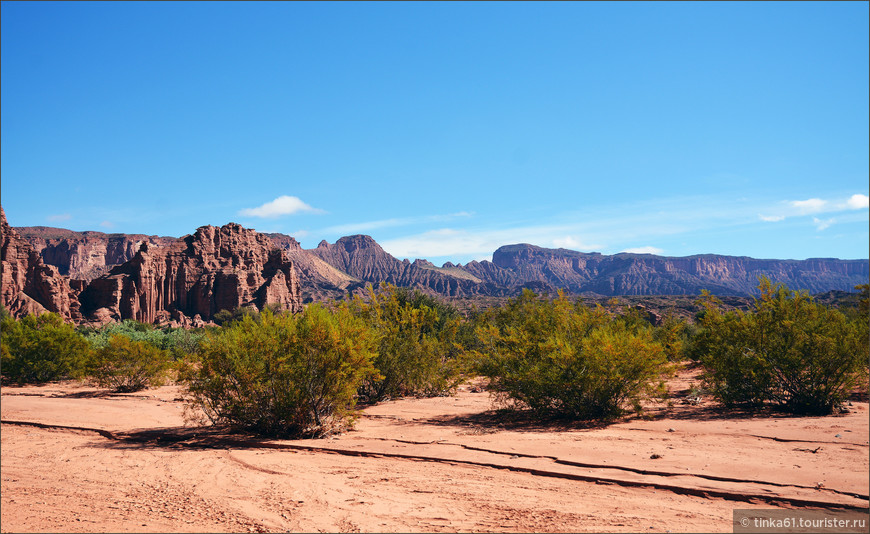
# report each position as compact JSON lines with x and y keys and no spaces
{"x":788,"y":350}
{"x":41,"y":348}
{"x":673,"y":334}
{"x":228,"y":316}
{"x":127,"y":365}
{"x":178,"y":342}
{"x":417,"y":352}
{"x":283,"y":375}
{"x":568,"y":360}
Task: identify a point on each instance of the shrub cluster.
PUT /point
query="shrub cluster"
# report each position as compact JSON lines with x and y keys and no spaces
{"x":283,"y":374}
{"x":280,"y":374}
{"x":42,"y":348}
{"x":565,"y":359}
{"x":417,"y":351}
{"x":176,"y":342}
{"x":788,"y":350}
{"x":125,"y":364}
{"x":126,"y":356}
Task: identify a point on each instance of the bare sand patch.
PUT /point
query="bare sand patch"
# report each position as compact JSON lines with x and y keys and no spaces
{"x":77,"y":459}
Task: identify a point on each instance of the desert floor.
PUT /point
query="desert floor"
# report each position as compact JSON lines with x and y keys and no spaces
{"x":79,"y":459}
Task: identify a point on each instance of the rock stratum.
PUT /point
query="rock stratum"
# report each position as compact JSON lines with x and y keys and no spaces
{"x":86,"y":255}
{"x":27,"y":284}
{"x":647,"y":274}
{"x":92,"y":277}
{"x":180,"y":282}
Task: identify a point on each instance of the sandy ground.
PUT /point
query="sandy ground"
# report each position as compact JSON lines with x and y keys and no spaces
{"x":78,"y":459}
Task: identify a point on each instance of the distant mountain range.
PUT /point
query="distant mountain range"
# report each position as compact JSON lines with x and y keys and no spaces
{"x":331,"y":270}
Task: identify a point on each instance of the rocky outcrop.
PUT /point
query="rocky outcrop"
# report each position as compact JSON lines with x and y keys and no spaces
{"x":186,"y":281}
{"x":86,"y":255}
{"x":319,"y":280}
{"x":27,"y":284}
{"x":198,"y":275}
{"x":647,"y":274}
{"x":362,"y":258}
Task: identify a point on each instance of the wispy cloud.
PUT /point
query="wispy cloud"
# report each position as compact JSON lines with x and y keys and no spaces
{"x":644,"y":250}
{"x":480,"y":242}
{"x":570,"y":242}
{"x":614,"y":228}
{"x":283,"y":205}
{"x":107,"y":224}
{"x":811,"y":205}
{"x":60,"y":217}
{"x":368,"y":226}
{"x":814,"y":206}
{"x":823,"y":224}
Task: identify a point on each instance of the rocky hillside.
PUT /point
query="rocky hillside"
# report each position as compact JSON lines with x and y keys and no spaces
{"x":647,"y":274}
{"x":319,"y":280}
{"x":27,"y":284}
{"x":86,"y":255}
{"x":180,"y":282}
{"x":362,"y":258}
{"x":150,"y":278}
{"x":194,"y":278}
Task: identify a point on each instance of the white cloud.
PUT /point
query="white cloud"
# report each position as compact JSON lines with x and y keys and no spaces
{"x":771,"y":218}
{"x":811,"y":205}
{"x":107,"y":224}
{"x":822,"y":224}
{"x":857,"y":202}
{"x":644,"y":250}
{"x":283,"y":205}
{"x":368,"y":226}
{"x":475,"y":242}
{"x":59,"y":217}
{"x":570,"y":242}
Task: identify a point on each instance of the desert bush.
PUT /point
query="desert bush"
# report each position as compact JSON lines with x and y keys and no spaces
{"x":568,"y":360}
{"x":283,"y":375}
{"x":788,"y":350}
{"x":417,"y":351}
{"x":41,"y":348}
{"x":178,"y":342}
{"x":128,"y":365}
{"x":673,"y":334}
{"x":227,"y":316}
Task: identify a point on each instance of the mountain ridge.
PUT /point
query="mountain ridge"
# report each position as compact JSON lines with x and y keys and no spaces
{"x":332,"y":270}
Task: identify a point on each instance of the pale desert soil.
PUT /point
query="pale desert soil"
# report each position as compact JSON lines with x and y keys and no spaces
{"x":78,"y":459}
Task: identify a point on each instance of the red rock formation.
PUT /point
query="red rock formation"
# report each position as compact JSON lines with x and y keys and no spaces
{"x":212,"y":270}
{"x":86,"y":255}
{"x":29,"y":286}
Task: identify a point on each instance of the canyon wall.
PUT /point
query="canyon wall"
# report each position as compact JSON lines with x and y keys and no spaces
{"x":27,"y":285}
{"x":194,"y":278}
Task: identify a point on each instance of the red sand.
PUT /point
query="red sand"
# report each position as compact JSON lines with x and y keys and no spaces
{"x":439,"y":464}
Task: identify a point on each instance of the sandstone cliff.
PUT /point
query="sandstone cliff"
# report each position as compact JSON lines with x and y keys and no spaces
{"x":647,"y":274}
{"x":86,"y":255}
{"x":198,"y":275}
{"x":167,"y":279}
{"x":27,"y":284}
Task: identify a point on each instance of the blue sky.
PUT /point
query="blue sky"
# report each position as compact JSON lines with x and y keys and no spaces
{"x":445,"y":130}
